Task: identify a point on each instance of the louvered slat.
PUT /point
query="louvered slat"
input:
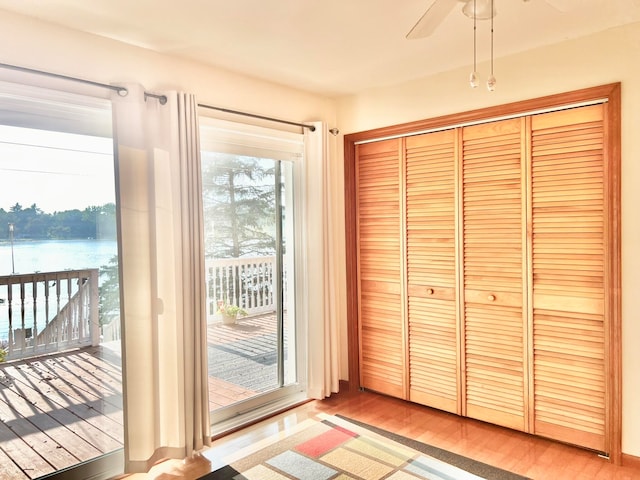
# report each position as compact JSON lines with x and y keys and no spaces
{"x":431,"y":269}
{"x":494,"y":327}
{"x":568,"y":275}
{"x":382,"y":363}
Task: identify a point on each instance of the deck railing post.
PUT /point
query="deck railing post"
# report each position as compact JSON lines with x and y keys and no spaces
{"x":59,"y":323}
{"x":69,"y":316}
{"x":94,"y":318}
{"x":10,"y":315}
{"x":22,"y":316}
{"x":34,"y":297}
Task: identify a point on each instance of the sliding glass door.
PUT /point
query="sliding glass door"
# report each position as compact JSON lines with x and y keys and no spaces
{"x":250,"y":237}
{"x":60,"y":363}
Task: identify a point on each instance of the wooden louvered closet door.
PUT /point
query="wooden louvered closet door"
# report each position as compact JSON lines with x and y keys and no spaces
{"x":380,"y":270}
{"x":494,"y":203}
{"x":567,"y":170}
{"x":431,"y":269}
{"x":488,"y":269}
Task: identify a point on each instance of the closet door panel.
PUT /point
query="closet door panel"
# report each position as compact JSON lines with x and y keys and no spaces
{"x":494,"y":272}
{"x":431,"y":269}
{"x":567,"y":169}
{"x":381,"y":317}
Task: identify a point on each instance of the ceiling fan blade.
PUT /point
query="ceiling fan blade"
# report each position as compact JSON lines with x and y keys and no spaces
{"x":434,"y":15}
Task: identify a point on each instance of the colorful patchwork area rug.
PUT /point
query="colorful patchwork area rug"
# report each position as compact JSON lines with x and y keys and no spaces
{"x":336,"y":448}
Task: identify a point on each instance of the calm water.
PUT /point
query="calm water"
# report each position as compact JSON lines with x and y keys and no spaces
{"x":52,"y":255}
{"x":48,"y":256}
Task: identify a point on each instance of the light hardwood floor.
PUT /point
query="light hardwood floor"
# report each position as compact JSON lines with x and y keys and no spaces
{"x":514,"y":451}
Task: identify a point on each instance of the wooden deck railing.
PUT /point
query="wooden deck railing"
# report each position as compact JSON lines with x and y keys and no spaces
{"x":48,"y":312}
{"x":45,"y":312}
{"x":247,"y":282}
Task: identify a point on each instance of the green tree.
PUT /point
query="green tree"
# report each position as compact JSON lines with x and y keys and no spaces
{"x":109,"y":294}
{"x":239,"y":206}
{"x":76,"y":225}
{"x":32,"y":221}
{"x":34,"y":224}
{"x":4,"y":224}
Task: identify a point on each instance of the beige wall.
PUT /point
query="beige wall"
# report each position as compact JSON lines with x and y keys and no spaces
{"x":607,"y":57}
{"x":34,"y":44}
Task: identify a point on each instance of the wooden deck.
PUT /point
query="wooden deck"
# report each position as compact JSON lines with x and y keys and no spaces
{"x":256,"y":329}
{"x":62,"y":409}
{"x":59,"y":410}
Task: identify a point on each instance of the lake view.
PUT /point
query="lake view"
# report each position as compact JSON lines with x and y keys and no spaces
{"x":48,"y":256}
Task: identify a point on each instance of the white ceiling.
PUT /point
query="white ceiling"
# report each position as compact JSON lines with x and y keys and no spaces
{"x":330,"y":47}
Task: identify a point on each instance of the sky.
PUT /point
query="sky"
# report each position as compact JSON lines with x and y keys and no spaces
{"x":56,"y":171}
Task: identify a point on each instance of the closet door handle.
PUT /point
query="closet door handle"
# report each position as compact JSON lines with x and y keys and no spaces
{"x":430,"y":291}
{"x":491,"y":298}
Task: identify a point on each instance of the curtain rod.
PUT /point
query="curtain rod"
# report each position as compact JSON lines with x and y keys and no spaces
{"x":161,"y":98}
{"x":261,"y":117}
{"x":121,"y":90}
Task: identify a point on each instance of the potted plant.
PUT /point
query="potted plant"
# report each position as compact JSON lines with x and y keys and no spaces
{"x":230,"y":312}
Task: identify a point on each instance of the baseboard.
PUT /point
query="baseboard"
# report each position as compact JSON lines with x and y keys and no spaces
{"x":630,"y":461}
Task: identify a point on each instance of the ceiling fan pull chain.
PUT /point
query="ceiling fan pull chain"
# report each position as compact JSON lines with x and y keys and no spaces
{"x":474,"y":79}
{"x":491,"y":81}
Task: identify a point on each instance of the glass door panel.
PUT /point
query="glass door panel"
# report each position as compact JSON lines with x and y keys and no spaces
{"x":249,"y":239}
{"x":61,"y":402}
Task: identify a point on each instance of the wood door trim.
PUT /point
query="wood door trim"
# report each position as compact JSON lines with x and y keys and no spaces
{"x":611,"y":93}
{"x":521,"y":108}
{"x":613,"y":278}
{"x":351,"y":255}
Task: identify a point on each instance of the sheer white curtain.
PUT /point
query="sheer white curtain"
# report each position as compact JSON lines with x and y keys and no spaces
{"x":162,"y":277}
{"x":321,"y":282}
